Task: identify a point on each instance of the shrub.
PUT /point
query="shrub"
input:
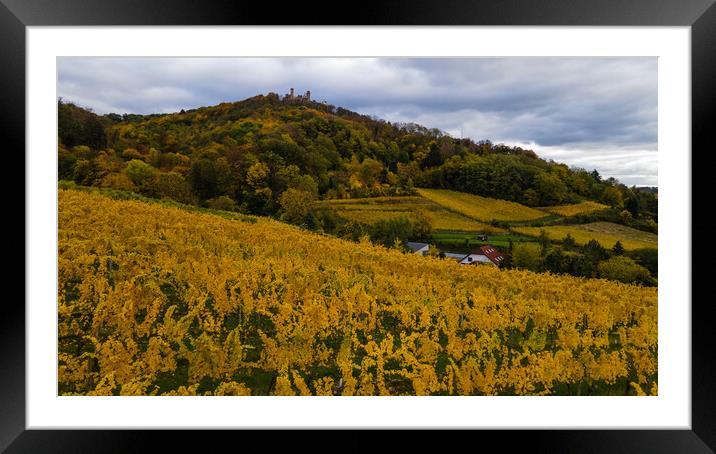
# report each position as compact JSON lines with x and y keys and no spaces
{"x":118,"y":181}
{"x":223,"y":203}
{"x":623,"y":269}
{"x":139,"y":172}
{"x":527,"y":256}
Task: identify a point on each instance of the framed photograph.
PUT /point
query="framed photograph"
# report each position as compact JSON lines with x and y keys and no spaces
{"x":424,"y":216}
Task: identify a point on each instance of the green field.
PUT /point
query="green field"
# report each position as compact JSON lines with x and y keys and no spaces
{"x":455,"y":241}
{"x":481,"y":208}
{"x":606,"y":233}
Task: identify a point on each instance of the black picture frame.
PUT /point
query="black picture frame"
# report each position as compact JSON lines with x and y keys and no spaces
{"x":700,"y":15}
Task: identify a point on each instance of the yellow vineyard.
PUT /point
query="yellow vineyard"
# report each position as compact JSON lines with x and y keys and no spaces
{"x":576,"y":209}
{"x":371,"y":210}
{"x":606,"y":233}
{"x":481,"y":208}
{"x":155,"y":300}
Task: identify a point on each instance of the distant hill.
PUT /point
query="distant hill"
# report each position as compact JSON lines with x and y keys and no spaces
{"x":246,"y":154}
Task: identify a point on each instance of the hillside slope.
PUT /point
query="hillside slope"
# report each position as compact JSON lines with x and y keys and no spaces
{"x":157,"y":300}
{"x":605,"y":233}
{"x":481,"y":208}
{"x":251,"y":151}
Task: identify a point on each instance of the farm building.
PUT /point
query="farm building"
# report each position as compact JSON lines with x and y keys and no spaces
{"x":419,"y":248}
{"x":485,"y":254}
{"x":493,"y":254}
{"x":452,"y":255}
{"x":474,"y":259}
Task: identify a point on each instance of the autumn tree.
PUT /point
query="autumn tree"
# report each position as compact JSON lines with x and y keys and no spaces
{"x":526,"y":255}
{"x":295,"y":205}
{"x":624,"y":269}
{"x":422,"y":227}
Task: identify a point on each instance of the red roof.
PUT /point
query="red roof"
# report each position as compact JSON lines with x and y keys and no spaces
{"x":493,"y":254}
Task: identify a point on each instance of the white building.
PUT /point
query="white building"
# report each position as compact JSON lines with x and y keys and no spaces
{"x":476,"y":259}
{"x":454,"y":256}
{"x":419,"y":248}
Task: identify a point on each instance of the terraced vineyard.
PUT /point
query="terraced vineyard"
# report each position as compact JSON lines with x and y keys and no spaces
{"x":576,"y":208}
{"x":481,"y":208}
{"x":371,"y":210}
{"x":606,"y":233}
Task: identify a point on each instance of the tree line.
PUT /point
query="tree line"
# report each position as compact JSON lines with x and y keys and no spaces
{"x":590,"y":260}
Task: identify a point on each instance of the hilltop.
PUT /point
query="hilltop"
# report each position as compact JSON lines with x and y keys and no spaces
{"x":245,"y":155}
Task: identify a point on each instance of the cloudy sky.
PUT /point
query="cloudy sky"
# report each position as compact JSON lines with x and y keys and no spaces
{"x":595,"y":113}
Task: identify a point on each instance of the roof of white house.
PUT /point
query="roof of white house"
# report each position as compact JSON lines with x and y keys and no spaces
{"x":493,"y":254}
{"x":416,"y":246}
{"x":452,"y":255}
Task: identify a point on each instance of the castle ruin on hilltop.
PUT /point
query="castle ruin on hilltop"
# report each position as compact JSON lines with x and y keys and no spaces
{"x":292,"y":98}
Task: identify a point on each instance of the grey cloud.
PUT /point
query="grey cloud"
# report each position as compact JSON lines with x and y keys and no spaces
{"x":587,"y":104}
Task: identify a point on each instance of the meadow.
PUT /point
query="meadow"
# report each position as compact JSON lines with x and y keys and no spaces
{"x":481,"y":208}
{"x":606,"y":233}
{"x":160,"y":300}
{"x":456,"y":241}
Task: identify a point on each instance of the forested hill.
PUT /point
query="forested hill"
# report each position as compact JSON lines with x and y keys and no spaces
{"x":247,"y":154}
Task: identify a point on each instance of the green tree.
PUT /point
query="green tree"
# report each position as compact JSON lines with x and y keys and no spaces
{"x":612,"y":196}
{"x":595,"y":251}
{"x":130,"y":153}
{"x":554,"y":261}
{"x":154,"y":158}
{"x":139,"y":172}
{"x":652,"y":225}
{"x":618,"y":249}
{"x":118,"y":181}
{"x":530,"y":197}
{"x":625,"y":217}
{"x":295,"y":205}
{"x":223,"y":203}
{"x":568,"y":241}
{"x":648,"y":258}
{"x":78,"y":126}
{"x":171,"y":185}
{"x":65,"y":163}
{"x":387,"y":231}
{"x":623,"y":269}
{"x":527,"y":256}
{"x":85,"y":172}
{"x":550,"y":188}
{"x":544,"y":242}
{"x":257,"y":175}
{"x":422,"y":226}
{"x":211,"y":177}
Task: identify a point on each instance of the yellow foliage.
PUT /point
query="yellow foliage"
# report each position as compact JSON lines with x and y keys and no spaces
{"x":232,"y":389}
{"x":157,"y":300}
{"x":483,"y":209}
{"x":371,"y":210}
{"x":606,"y":233}
{"x":576,"y":208}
